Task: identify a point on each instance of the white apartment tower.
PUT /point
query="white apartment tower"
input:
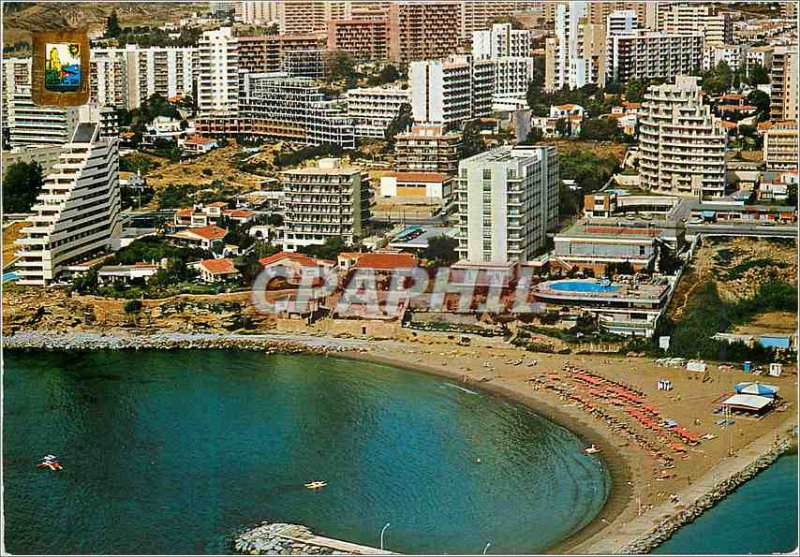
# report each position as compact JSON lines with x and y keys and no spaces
{"x":510,"y":50}
{"x":77,"y":213}
{"x":373,"y":108}
{"x":507,"y":200}
{"x":653,"y":55}
{"x":451,"y":91}
{"x":328,"y":201}
{"x":681,"y":144}
{"x":218,"y":72}
{"x":575,"y":56}
{"x":717,"y":27}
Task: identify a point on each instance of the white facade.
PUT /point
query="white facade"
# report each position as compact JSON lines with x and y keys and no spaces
{"x":717,"y":28}
{"x":329,"y":201}
{"x":218,"y":72}
{"x":108,"y":78}
{"x":373,"y":108}
{"x":77,"y":213}
{"x":734,"y":55}
{"x":574,"y":56}
{"x":258,"y":12}
{"x":507,"y":200}
{"x":681,"y":145}
{"x":499,"y":41}
{"x":30,"y":124}
{"x":451,"y":91}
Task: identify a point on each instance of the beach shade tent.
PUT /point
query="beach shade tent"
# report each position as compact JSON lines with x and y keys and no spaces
{"x":748,"y":403}
{"x":760,"y":389}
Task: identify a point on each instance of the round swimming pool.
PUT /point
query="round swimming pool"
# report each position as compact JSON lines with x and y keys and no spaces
{"x":582,"y":286}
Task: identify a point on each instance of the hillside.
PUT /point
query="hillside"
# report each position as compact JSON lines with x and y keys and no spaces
{"x":20,"y":19}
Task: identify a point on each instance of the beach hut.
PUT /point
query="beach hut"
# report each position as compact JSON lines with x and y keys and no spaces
{"x":760,"y":389}
{"x":775,"y":369}
{"x":664,"y":385}
{"x":748,"y":403}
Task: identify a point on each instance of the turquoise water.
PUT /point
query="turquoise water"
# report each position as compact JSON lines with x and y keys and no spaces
{"x":10,"y":276}
{"x":582,"y":286}
{"x":171,"y":452}
{"x":759,"y":517}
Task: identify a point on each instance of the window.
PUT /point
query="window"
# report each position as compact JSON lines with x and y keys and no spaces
{"x":487,"y":173}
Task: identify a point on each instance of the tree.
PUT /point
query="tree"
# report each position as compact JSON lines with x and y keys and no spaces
{"x":564,"y":128}
{"x":329,"y":250}
{"x":275,"y":219}
{"x":21,"y":184}
{"x":342,"y":66}
{"x":718,"y":79}
{"x":635,"y":90}
{"x":441,"y":250}
{"x":534,"y":137}
{"x":388,"y":74}
{"x":757,"y":75}
{"x":761,"y":101}
{"x":472,"y":140}
{"x":599,"y":129}
{"x":399,"y":124}
{"x":133,"y":306}
{"x":112,"y":25}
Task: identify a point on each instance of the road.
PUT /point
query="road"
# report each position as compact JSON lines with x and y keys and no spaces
{"x":743,"y":229}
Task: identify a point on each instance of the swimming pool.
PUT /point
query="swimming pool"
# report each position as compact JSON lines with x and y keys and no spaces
{"x":10,"y":276}
{"x":582,"y":286}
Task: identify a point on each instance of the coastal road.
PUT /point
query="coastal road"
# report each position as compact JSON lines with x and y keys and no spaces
{"x":751,"y":230}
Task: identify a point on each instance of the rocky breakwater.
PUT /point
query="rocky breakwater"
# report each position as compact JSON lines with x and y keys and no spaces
{"x":279,"y":539}
{"x":664,"y":530}
{"x":270,"y":343}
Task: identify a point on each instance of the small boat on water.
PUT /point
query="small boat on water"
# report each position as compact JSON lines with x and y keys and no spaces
{"x":316,"y":485}
{"x":591,"y":450}
{"x":50,"y":462}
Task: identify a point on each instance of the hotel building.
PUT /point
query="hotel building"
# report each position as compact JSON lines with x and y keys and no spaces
{"x":372,"y":109}
{"x":510,"y":50}
{"x":328,"y":201}
{"x":282,"y":107}
{"x":297,"y":17}
{"x":411,"y":26}
{"x":716,"y":27}
{"x":428,"y":148}
{"x":451,"y":91}
{"x":681,"y":145}
{"x":653,"y":55}
{"x":77,"y":212}
{"x":780,"y":146}
{"x":507,"y":201}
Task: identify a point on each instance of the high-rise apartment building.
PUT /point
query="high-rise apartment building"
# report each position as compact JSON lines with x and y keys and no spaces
{"x":298,"y":55}
{"x":653,"y":55}
{"x":681,"y":144}
{"x":258,"y":12}
{"x":218,"y":72}
{"x":780,"y":146}
{"x":77,"y":212}
{"x":510,"y":50}
{"x":478,"y":15}
{"x":784,"y":83}
{"x":283,"y":107}
{"x":423,"y":30}
{"x":507,"y":201}
{"x":365,"y":38}
{"x":451,"y":91}
{"x":646,"y":12}
{"x":108,"y":78}
{"x":32,"y":124}
{"x":16,"y":76}
{"x":734,"y":55}
{"x":575,"y":56}
{"x":298,"y":17}
{"x":324,"y":202}
{"x":716,"y":26}
{"x":373,"y":108}
{"x":166,"y":71}
{"x":428,"y":148}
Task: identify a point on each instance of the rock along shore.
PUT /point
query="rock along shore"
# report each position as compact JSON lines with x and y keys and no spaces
{"x":270,"y":343}
{"x":266,"y":539}
{"x":663,"y":531}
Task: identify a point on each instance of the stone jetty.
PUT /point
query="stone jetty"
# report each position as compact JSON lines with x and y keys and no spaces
{"x":279,"y":538}
{"x":270,"y":343}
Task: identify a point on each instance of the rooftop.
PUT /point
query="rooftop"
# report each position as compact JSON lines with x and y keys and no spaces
{"x":218,"y":266}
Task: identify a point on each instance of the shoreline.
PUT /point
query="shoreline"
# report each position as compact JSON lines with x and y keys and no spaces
{"x":615,"y":528}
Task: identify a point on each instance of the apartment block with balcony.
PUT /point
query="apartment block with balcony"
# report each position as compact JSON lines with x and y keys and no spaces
{"x":328,"y":201}
{"x":510,"y":50}
{"x":108,"y":78}
{"x":373,"y":108}
{"x":681,"y":144}
{"x":283,"y":107}
{"x":653,"y":55}
{"x":780,"y":146}
{"x":410,"y":26}
{"x":366,"y":39}
{"x":217,"y":71}
{"x":299,"y":17}
{"x":507,"y":200}
{"x":31,"y":124}
{"x":716,"y":26}
{"x":480,"y":15}
{"x":452,"y":91}
{"x":78,"y":211}
{"x":784,"y":75}
{"x":428,"y":148}
{"x":575,"y":55}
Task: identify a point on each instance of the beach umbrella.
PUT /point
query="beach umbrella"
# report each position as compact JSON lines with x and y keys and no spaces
{"x":760,"y":389}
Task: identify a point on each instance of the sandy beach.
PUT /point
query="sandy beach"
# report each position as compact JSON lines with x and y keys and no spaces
{"x":652,"y":482}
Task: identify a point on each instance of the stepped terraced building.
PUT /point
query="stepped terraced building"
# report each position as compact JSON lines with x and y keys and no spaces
{"x":78,"y":211}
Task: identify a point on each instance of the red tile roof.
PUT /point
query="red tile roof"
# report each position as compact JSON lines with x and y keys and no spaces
{"x":218,"y":266}
{"x":209,"y":232}
{"x":299,"y":258}
{"x":186,"y":212}
{"x":197,"y":140}
{"x":239,"y":213}
{"x":387,"y":261}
